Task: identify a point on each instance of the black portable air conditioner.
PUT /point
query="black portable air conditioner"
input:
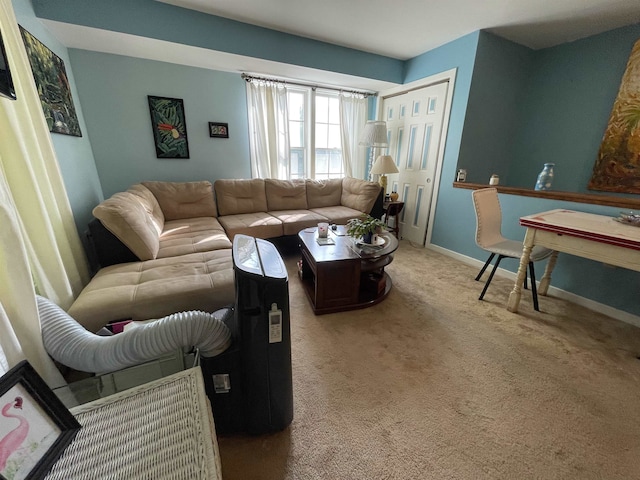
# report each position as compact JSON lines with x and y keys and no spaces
{"x":250,"y":385}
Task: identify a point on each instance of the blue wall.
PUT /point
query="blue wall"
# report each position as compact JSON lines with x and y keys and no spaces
{"x":459,"y":54}
{"x":153,"y":19}
{"x":113,"y":91}
{"x":500,"y":74}
{"x":570,"y":94}
{"x":74,"y":154}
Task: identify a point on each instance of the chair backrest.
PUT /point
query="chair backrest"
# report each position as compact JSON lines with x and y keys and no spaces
{"x":394,"y":208}
{"x":488,"y":217}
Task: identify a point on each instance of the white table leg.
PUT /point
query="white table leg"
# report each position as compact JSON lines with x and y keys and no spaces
{"x":516,"y":293}
{"x":545,"y":281}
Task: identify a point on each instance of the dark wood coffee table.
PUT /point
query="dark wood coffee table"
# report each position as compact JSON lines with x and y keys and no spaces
{"x":344,"y":276}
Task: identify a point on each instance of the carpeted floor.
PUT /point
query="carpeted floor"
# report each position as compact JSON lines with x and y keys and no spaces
{"x":434,"y":384}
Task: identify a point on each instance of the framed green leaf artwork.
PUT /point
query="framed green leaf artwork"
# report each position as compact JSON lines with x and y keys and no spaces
{"x":53,"y":87}
{"x":169,"y":127}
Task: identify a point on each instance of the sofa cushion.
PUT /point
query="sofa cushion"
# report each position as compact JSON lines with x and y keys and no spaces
{"x":124,"y":215}
{"x":295,"y":220}
{"x":150,"y":203}
{"x":156,"y":288}
{"x":180,"y":200}
{"x":257,"y":224}
{"x":324,"y":193}
{"x":285,"y":194}
{"x":240,"y":196}
{"x":359,"y":194}
{"x":181,"y":237}
{"x":338,"y":214}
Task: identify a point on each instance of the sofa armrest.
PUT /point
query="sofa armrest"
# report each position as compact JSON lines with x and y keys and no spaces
{"x":108,"y":249}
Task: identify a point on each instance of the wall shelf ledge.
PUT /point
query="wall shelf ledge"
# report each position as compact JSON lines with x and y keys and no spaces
{"x":590,"y":198}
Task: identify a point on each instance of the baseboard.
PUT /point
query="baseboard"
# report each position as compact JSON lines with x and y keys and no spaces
{"x":620,"y":315}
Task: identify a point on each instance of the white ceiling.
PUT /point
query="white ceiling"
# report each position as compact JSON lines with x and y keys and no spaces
{"x":396,"y":28}
{"x":406,"y":28}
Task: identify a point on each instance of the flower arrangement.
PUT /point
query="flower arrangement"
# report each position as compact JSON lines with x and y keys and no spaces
{"x":364,"y":226}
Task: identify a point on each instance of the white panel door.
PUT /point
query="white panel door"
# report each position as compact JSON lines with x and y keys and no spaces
{"x":414,"y":122}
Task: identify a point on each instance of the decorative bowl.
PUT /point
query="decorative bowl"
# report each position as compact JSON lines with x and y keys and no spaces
{"x":630,"y":218}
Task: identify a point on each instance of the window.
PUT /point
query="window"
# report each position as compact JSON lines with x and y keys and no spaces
{"x":300,"y":131}
{"x":297,"y":104}
{"x":314,"y":134}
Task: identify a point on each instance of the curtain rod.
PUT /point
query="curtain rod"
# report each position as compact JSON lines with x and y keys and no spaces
{"x":249,"y":78}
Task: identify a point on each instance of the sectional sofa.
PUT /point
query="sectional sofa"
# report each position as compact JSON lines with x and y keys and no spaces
{"x":165,"y":247}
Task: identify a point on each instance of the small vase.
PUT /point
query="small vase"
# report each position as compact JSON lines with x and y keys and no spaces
{"x":545,"y":178}
{"x":367,"y":237}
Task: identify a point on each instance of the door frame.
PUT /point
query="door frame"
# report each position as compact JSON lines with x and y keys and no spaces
{"x":446,"y":76}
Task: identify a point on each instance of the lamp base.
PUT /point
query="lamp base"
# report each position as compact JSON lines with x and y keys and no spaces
{"x":383,"y":183}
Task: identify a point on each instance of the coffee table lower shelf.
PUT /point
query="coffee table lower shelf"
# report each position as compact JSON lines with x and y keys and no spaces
{"x":366,"y":298}
{"x":343,"y":276}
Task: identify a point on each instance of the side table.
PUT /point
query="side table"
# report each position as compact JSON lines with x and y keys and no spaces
{"x":102,"y":385}
{"x":162,"y":429}
{"x":393,"y":209}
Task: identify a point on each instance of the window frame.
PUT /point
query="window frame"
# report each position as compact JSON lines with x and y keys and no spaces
{"x":309,"y":131}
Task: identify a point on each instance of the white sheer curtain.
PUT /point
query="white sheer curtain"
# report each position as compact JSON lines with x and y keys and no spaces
{"x":39,"y":244}
{"x":353,"y":116}
{"x":268,"y":129}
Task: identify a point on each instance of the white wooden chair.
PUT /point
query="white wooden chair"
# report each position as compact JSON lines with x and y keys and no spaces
{"x":489,"y":237}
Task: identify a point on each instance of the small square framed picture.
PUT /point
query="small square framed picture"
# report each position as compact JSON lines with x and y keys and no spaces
{"x":218,"y":130}
{"x":35,"y":427}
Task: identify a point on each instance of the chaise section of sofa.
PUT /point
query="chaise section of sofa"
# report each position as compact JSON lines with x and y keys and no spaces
{"x":156,"y":288}
{"x":176,"y":255}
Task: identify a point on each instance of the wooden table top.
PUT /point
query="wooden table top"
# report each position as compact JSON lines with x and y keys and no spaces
{"x":599,"y":228}
{"x":344,"y":248}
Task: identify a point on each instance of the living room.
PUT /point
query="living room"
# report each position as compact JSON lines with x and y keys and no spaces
{"x":487,"y":68}
{"x":531,"y":96}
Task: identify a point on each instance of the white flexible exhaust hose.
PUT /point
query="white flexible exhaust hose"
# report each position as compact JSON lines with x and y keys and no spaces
{"x":71,"y":344}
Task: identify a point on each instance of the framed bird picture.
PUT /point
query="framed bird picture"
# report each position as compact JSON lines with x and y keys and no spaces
{"x":169,"y":127}
{"x":35,"y":426}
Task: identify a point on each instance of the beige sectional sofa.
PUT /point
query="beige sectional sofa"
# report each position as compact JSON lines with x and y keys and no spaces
{"x":175,"y":239}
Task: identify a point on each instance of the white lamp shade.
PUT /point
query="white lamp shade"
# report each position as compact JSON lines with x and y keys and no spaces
{"x":374,"y":134}
{"x":384,"y":165}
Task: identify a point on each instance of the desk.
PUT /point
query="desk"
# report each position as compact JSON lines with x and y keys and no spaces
{"x":597,"y":237}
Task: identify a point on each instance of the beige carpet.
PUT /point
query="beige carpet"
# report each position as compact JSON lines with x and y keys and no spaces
{"x":434,"y":384}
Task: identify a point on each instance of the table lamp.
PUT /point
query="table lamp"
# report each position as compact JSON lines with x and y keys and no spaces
{"x":374,"y":136}
{"x":384,"y":164}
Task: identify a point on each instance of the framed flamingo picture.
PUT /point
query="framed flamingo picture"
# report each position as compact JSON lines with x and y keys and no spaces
{"x":35,"y":427}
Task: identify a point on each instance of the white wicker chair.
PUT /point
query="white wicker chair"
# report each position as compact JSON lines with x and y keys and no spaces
{"x":489,"y":237}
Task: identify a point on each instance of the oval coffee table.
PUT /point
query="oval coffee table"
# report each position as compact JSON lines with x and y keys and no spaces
{"x":344,"y":275}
